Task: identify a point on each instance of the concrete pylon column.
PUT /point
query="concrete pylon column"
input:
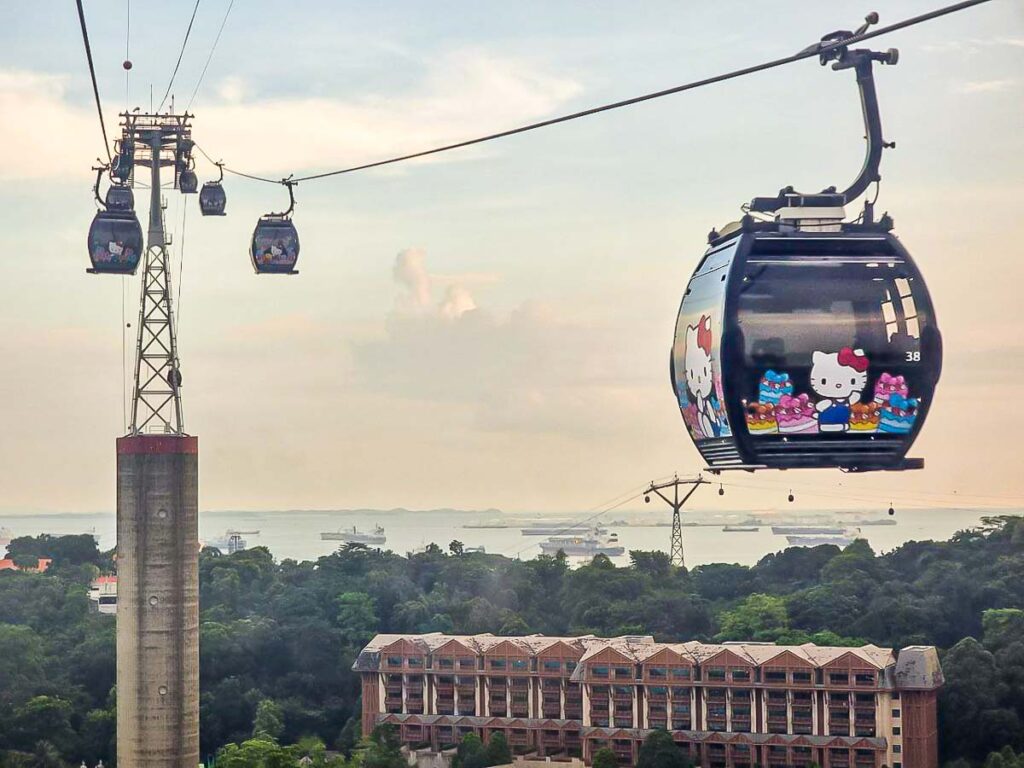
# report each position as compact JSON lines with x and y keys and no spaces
{"x":158,"y":601}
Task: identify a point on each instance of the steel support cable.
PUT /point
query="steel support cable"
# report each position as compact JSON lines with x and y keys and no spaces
{"x":807,"y":53}
{"x":210,"y":57}
{"x":92,"y":74}
{"x":180,"y":54}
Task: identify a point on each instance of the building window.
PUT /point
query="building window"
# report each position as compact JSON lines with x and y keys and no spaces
{"x":519,"y":664}
{"x":570,"y":666}
{"x":775,"y":676}
{"x":802,"y":677}
{"x":716,"y":673}
{"x":897,"y":764}
{"x":659,"y":673}
{"x":839,"y":678}
{"x":394,"y":661}
{"x":622,"y":673}
{"x":415,"y":662}
{"x":681,"y":673}
{"x":896,"y":749}
{"x":741,"y":675}
{"x":895,"y":713}
{"x":599,"y":671}
{"x":552,"y":666}
{"x":895,"y":695}
{"x":497,"y":663}
{"x":895,"y":730}
{"x":443,"y":663}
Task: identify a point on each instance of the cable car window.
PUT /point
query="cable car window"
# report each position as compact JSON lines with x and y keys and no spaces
{"x":828,"y":347}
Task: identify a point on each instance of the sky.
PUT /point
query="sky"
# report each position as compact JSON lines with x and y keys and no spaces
{"x":489,"y":327}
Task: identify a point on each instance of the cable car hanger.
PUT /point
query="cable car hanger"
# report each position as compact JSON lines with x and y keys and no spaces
{"x":861,"y":60}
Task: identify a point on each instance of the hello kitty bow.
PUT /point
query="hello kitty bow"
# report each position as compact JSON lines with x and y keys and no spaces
{"x":776,"y":378}
{"x":853,"y":359}
{"x":889,"y":380}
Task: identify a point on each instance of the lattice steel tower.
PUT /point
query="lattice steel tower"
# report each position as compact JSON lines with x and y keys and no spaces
{"x":159,"y":140}
{"x":676,"y":547}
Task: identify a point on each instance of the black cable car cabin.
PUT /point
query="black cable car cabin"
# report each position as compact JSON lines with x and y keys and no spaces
{"x":115,"y":235}
{"x":188,"y":184}
{"x":805,"y":341}
{"x":212,"y":199}
{"x":115,"y":243}
{"x":275,"y":242}
{"x":120,"y":198}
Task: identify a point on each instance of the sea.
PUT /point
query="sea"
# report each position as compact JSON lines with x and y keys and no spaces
{"x":295,"y":534}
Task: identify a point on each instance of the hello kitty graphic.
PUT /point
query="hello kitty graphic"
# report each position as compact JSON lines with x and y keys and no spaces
{"x":838,"y":378}
{"x":700,"y":377}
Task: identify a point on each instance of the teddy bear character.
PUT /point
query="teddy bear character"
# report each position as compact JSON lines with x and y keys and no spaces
{"x":838,"y":378}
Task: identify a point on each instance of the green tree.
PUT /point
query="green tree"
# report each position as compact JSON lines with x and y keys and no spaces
{"x":497,"y":751}
{"x":357,"y":618}
{"x":660,"y":751}
{"x":256,"y":753}
{"x":384,"y":750}
{"x":605,"y":758}
{"x":1002,"y":626}
{"x":456,"y":547}
{"x":758,"y":617}
{"x":268,"y":723}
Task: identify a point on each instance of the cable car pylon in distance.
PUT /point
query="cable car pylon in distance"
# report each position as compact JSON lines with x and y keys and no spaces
{"x":275,"y":241}
{"x":804,"y":340}
{"x":115,"y":235}
{"x":212,"y":198}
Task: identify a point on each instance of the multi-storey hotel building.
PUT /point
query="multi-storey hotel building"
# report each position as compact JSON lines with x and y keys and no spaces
{"x":734,"y":705}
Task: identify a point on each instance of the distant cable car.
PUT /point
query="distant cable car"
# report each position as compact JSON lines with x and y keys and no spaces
{"x":212,"y":199}
{"x":115,"y":235}
{"x":275,"y":241}
{"x":120,"y":198}
{"x":122,"y":166}
{"x":804,"y":340}
{"x":115,"y":243}
{"x":188,"y":184}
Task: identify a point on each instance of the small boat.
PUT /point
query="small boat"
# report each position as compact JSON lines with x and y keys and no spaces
{"x":478,"y":550}
{"x":817,"y":541}
{"x":232,"y":541}
{"x":355,"y":536}
{"x":582,"y":546}
{"x":741,"y":528}
{"x":563,"y":529}
{"x":808,"y":530}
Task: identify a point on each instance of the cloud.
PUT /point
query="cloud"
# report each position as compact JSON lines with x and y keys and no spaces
{"x":528,"y":371}
{"x":973,"y":44}
{"x":51,"y":136}
{"x":984,"y":86}
{"x":461,"y":94}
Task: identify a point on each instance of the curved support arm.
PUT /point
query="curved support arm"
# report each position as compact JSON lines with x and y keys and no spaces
{"x":96,"y":187}
{"x":862,"y":62}
{"x":291,"y":197}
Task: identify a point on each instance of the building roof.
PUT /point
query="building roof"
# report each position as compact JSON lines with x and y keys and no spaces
{"x":915,"y":667}
{"x":42,"y":564}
